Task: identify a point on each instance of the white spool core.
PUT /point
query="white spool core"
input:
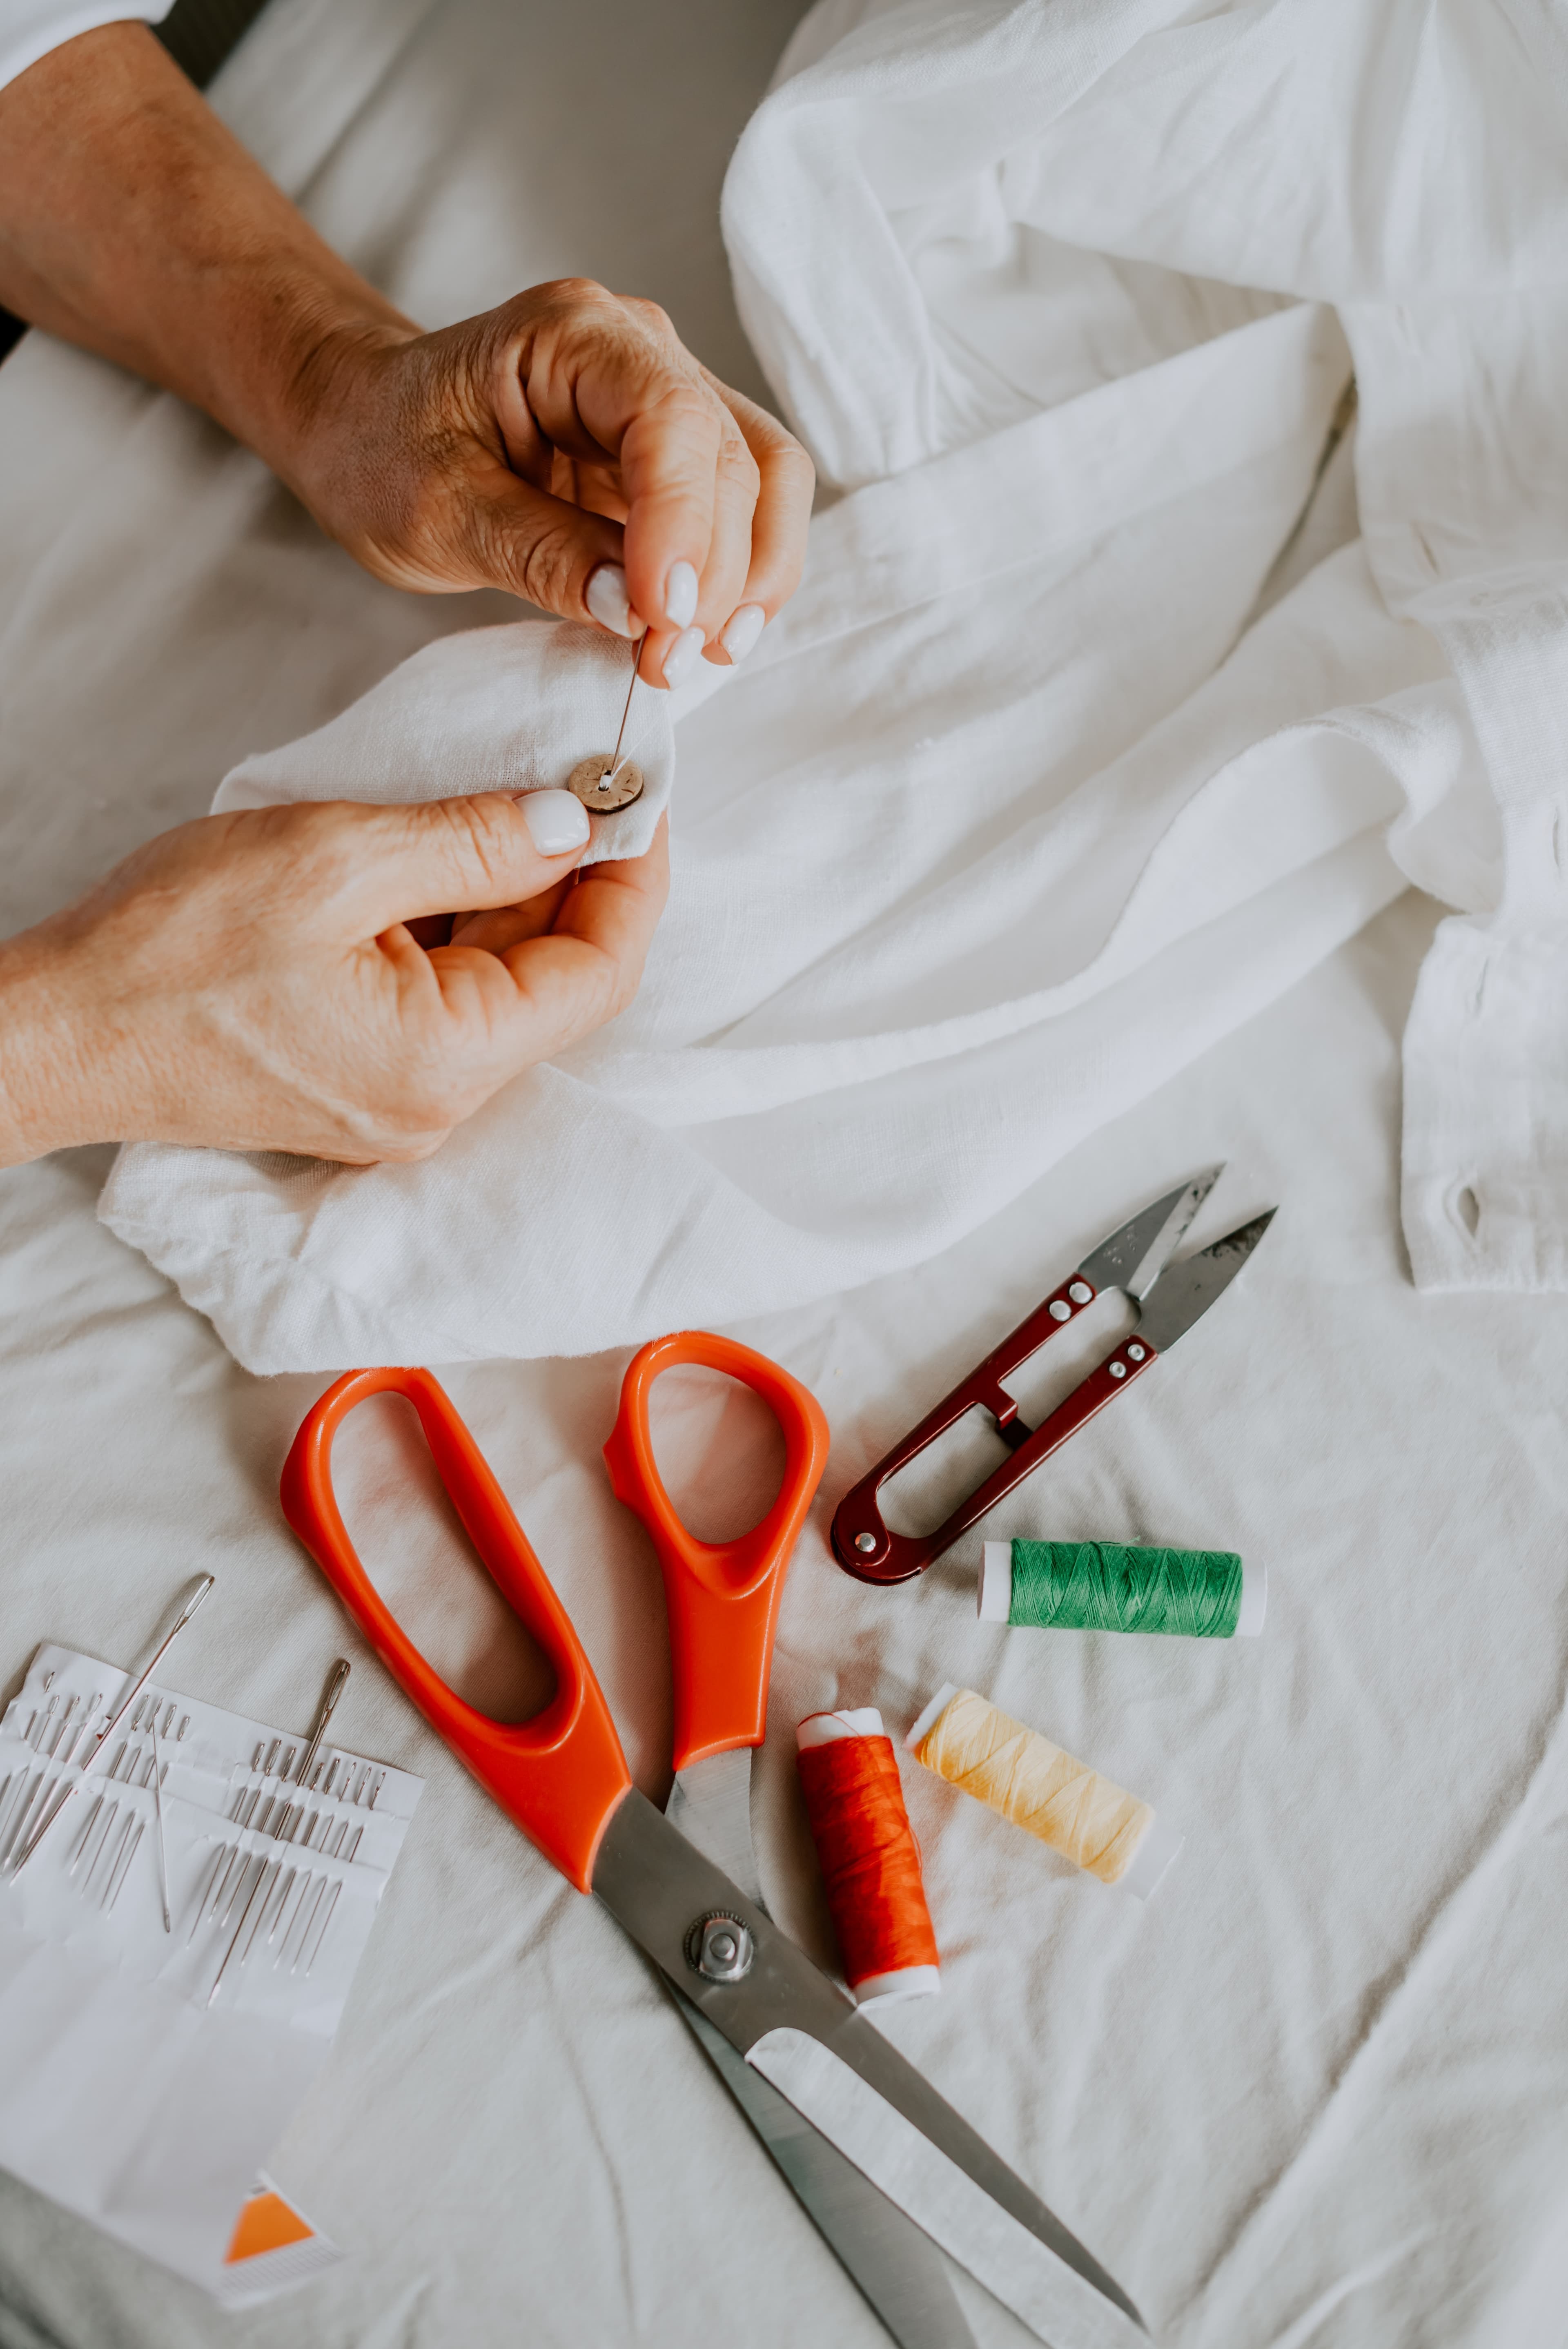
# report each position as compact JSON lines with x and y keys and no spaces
{"x":827,"y":1728}
{"x":933,"y":1712}
{"x":1255,"y":1601}
{"x":909,"y":1981}
{"x":994,"y":1596}
{"x":1151,"y":1860}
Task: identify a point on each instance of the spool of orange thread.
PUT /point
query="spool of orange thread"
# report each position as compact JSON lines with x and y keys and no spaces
{"x":870,"y":1860}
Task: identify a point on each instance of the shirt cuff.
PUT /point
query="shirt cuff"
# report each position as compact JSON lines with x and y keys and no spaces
{"x":29,"y":29}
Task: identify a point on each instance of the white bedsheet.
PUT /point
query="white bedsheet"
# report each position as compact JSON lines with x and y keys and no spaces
{"x":1313,"y":2092}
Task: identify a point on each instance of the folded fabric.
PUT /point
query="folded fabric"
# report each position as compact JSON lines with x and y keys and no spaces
{"x":509,"y":709}
{"x":944,"y":218}
{"x":1009,"y":816}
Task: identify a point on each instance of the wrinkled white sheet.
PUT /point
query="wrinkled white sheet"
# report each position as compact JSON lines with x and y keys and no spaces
{"x":1313,"y":2094}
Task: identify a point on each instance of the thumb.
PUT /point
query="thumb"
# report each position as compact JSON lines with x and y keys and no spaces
{"x":457,"y":855}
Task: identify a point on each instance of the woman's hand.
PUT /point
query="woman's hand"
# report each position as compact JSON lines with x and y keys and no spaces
{"x":566,"y":447}
{"x":252,"y":980}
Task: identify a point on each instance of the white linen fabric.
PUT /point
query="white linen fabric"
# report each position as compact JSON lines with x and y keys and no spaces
{"x":982,"y":844}
{"x":508,"y":710}
{"x":1311,"y":2097}
{"x":1018,"y":186}
{"x":29,"y":29}
{"x":1013,"y":809}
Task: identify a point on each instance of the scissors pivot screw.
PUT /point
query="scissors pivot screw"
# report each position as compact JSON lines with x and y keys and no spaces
{"x":721,"y":1948}
{"x":865,"y":1543}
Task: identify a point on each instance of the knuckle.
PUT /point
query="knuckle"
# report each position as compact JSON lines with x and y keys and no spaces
{"x":794,"y":466}
{"x":574,"y":293}
{"x":547,"y":566}
{"x":479,"y":838}
{"x":650,"y":317}
{"x":739,"y":468}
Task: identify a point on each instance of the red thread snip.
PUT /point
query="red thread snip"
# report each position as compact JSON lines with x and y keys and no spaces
{"x":870,"y":1860}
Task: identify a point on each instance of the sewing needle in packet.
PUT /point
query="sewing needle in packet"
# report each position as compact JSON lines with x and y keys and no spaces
{"x":98,"y":1743}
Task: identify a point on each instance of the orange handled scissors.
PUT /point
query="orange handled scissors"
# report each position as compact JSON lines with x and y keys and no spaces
{"x":872,"y":2151}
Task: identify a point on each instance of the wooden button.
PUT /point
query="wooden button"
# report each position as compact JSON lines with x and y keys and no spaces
{"x":602,"y":791}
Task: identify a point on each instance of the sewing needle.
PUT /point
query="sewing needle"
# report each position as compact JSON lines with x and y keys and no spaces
{"x":162,"y":1846}
{"x":610,"y":772}
{"x":328,"y":1707}
{"x":325,"y":1712}
{"x":96,"y":1748}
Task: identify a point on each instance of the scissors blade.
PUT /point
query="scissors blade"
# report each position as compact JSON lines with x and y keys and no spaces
{"x":658,"y":1888}
{"x":1184,"y":1293}
{"x":711,"y":1803}
{"x":1134,"y":1258}
{"x":886,"y":2255}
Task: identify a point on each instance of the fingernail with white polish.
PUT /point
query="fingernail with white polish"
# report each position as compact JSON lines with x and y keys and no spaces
{"x":684,"y":656}
{"x":680,"y":596}
{"x":606,"y":598}
{"x":556,"y":820}
{"x":740,"y":632}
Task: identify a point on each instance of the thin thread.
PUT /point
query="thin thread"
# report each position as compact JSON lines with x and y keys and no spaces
{"x":1097,"y":1825}
{"x":1193,"y":1594}
{"x":870,"y":1860}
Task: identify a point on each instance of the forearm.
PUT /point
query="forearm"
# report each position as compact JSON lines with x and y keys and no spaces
{"x":133,"y":223}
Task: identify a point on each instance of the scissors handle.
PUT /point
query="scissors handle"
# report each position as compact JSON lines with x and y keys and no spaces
{"x":722,"y":1597}
{"x":560,"y":1776}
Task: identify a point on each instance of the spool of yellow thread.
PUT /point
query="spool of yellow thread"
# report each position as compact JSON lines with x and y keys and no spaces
{"x":1011,"y":1769}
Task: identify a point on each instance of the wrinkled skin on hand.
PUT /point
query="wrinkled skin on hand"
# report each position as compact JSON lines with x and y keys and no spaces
{"x":522,"y":448}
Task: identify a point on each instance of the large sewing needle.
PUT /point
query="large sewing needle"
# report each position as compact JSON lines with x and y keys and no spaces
{"x":96,"y":1748}
{"x":162,"y":1846}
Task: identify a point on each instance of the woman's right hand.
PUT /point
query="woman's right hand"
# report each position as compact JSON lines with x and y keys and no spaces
{"x":251,"y":981}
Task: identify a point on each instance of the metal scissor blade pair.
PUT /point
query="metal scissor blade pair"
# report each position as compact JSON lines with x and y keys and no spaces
{"x":1185,"y":1292}
{"x":886,"y":2255}
{"x":662,"y":1890}
{"x":1133,"y":1258}
{"x":1137,"y":1259}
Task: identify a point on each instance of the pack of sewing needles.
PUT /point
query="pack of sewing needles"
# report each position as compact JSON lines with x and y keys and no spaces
{"x":147,"y":2068}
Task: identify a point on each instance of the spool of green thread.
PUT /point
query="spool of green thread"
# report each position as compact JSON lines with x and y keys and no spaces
{"x":1190,"y":1594}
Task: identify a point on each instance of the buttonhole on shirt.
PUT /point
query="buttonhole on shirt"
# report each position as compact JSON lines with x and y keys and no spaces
{"x":1465,"y":1208}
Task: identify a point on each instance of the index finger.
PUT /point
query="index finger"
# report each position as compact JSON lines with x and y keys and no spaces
{"x":784,"y":497}
{"x":669,"y":469}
